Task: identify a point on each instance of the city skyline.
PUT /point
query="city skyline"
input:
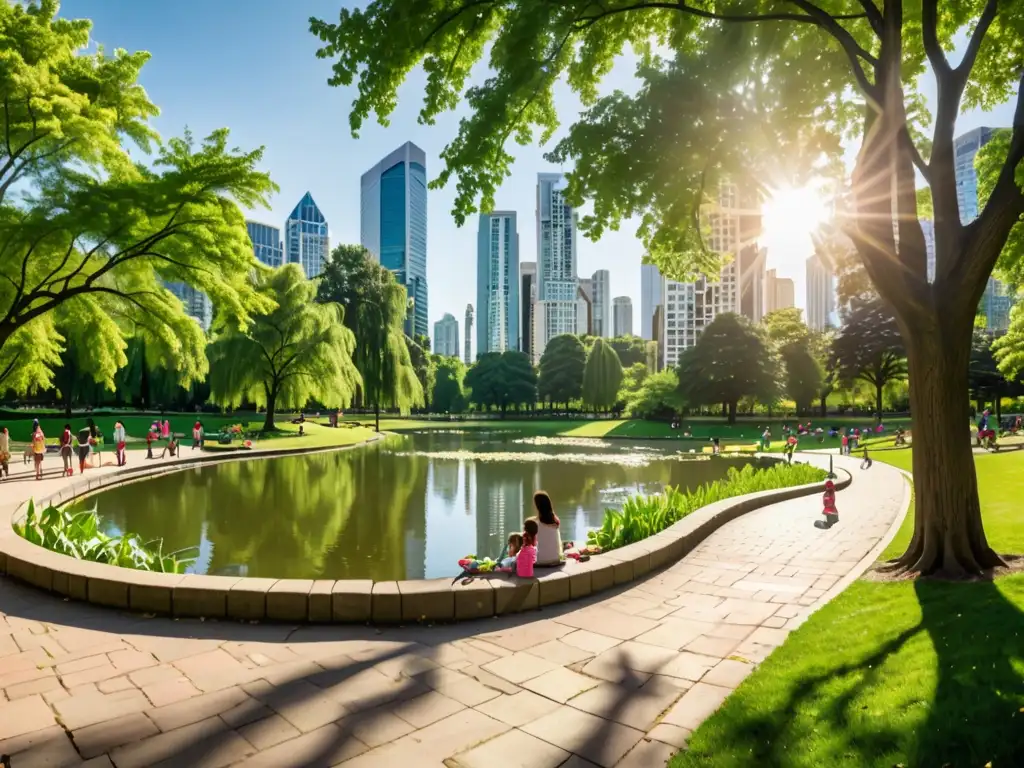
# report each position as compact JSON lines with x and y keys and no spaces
{"x":190,"y":83}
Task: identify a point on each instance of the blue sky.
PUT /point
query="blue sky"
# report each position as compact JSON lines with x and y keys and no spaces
{"x":250,"y":65}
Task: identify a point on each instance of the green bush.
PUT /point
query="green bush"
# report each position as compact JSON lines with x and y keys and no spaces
{"x":643,"y":516}
{"x":77,"y":535}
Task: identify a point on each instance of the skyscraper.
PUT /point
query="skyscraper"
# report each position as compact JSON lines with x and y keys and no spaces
{"x":266,"y":243}
{"x":998,"y":299}
{"x":821,"y":293}
{"x":584,"y":312}
{"x":652,"y":289}
{"x":393,"y":224}
{"x":779,"y":292}
{"x":305,"y":237}
{"x":197,"y":304}
{"x":602,"y":303}
{"x":689,"y":307}
{"x":556,"y":309}
{"x":527,"y":299}
{"x":467,"y":352}
{"x":623,"y":321}
{"x":446,"y":336}
{"x":497,"y":283}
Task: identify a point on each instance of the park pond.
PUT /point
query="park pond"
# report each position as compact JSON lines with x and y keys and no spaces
{"x":405,"y":507}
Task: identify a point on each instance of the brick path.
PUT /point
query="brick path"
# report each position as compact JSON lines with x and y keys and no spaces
{"x":618,"y":680}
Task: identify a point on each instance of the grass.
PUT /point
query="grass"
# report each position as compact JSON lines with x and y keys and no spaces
{"x":919,"y":673}
{"x":287,"y":438}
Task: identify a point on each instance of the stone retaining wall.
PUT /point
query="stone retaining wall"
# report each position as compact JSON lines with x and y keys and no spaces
{"x":357,"y":601}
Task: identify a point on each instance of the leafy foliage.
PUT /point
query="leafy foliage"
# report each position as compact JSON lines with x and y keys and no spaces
{"x":602,"y":376}
{"x":501,"y":379}
{"x":561,"y":369}
{"x":731,"y":360}
{"x":88,"y":234}
{"x":299,"y":351}
{"x":869,"y":347}
{"x":657,"y":397}
{"x":644,"y":516}
{"x":448,"y":395}
{"x":77,"y":534}
{"x":376,"y":306}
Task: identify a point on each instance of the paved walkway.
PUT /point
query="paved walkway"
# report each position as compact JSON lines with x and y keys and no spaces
{"x":619,"y":680}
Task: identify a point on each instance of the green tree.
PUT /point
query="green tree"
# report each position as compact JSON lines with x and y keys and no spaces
{"x":869,"y":347}
{"x":301,"y":350}
{"x":803,"y":375}
{"x":88,"y":234}
{"x":561,"y":368}
{"x":657,"y":397}
{"x":1008,"y":348}
{"x":633,"y":378}
{"x":375,"y":310}
{"x":988,"y":384}
{"x":602,"y":376}
{"x":785,"y":327}
{"x":731,"y":360}
{"x":448,"y":395}
{"x":630,"y":349}
{"x":501,"y":379}
{"x":742,"y":89}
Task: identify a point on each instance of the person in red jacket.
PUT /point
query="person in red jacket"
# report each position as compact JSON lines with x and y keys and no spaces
{"x":828,"y":501}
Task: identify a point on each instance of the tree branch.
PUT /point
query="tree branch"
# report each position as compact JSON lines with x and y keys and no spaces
{"x":929,"y":33}
{"x":873,"y":15}
{"x":449,"y":18}
{"x":988,"y":15}
{"x":681,"y":5}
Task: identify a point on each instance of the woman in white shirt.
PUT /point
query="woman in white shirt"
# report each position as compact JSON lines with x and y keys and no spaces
{"x":549,"y":538}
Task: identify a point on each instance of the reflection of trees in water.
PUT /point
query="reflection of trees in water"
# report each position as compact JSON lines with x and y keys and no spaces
{"x":446,"y":479}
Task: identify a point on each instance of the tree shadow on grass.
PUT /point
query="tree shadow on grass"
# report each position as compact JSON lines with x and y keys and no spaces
{"x":947,"y":691}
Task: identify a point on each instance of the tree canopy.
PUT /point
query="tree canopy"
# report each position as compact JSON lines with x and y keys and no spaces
{"x":501,"y":379}
{"x":88,"y":234}
{"x":297,"y":352}
{"x":657,"y":397}
{"x":561,"y":369}
{"x":602,"y":376}
{"x":448,"y":394}
{"x":375,"y":310}
{"x":731,"y":360}
{"x":869,"y":347}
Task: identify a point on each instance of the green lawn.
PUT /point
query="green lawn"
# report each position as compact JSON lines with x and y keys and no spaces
{"x":893,"y":674}
{"x":316,"y":436}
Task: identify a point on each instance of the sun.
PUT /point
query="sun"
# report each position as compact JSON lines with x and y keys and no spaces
{"x":793,"y":213}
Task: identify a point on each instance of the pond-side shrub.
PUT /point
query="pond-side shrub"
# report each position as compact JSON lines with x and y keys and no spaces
{"x":643,"y":516}
{"x":77,"y":534}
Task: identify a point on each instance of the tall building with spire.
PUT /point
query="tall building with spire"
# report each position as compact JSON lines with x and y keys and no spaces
{"x":393,"y":224}
{"x":305,"y":237}
{"x":497,"y":283}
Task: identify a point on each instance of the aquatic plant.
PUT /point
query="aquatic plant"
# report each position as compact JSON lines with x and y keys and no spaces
{"x":77,"y":534}
{"x":643,"y":516}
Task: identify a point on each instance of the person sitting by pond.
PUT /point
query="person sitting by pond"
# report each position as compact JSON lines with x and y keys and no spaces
{"x":549,"y":537}
{"x":716,"y":446}
{"x":526,"y":558}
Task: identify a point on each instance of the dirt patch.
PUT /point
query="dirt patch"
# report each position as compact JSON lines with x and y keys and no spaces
{"x":884,"y":572}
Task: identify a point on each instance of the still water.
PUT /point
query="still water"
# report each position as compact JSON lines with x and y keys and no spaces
{"x":407,"y":507}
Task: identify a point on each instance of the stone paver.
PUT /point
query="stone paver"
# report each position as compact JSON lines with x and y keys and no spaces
{"x":619,"y":680}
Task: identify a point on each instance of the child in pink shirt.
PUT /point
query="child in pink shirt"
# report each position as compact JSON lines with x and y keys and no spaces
{"x":527,"y":555}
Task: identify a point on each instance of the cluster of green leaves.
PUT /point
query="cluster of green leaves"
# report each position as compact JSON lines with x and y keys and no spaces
{"x":448,"y":394}
{"x":502,"y":379}
{"x":602,"y":376}
{"x":77,"y":535}
{"x":300,"y":350}
{"x":657,"y":397}
{"x":88,"y":234}
{"x":869,"y":347}
{"x":644,"y":516}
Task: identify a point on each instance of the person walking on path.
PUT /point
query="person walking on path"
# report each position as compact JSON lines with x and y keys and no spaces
{"x":197,"y":436}
{"x":5,"y":453}
{"x":120,"y":439}
{"x":84,"y":435}
{"x":95,"y":441}
{"x":828,"y":502}
{"x":151,"y":437}
{"x":65,"y":450}
{"x":38,"y":450}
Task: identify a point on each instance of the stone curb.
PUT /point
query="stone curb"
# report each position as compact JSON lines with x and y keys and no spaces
{"x":361,"y":601}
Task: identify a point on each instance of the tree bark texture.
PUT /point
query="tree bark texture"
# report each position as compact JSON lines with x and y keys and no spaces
{"x":949,"y":539}
{"x":268,"y":422}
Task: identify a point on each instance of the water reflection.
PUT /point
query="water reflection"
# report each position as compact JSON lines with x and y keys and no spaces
{"x":405,"y":507}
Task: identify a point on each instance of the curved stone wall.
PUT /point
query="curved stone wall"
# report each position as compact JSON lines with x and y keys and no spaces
{"x":348,"y":600}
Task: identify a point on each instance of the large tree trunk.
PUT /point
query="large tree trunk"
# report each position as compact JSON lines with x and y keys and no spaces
{"x":268,"y":422}
{"x":732,"y":411}
{"x":878,"y":398}
{"x":949,"y":539}
{"x":376,"y":417}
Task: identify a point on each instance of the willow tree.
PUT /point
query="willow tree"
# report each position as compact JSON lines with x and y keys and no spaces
{"x":741,"y":89}
{"x":602,"y":376}
{"x":88,"y":233}
{"x":297,"y":352}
